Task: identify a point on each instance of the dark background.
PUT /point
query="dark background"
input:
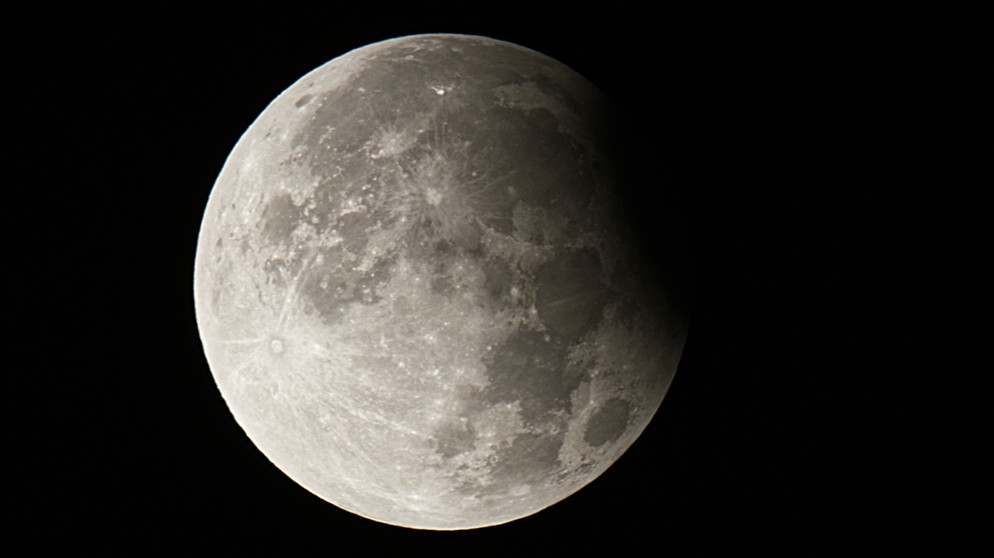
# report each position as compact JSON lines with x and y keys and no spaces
{"x":753,"y":179}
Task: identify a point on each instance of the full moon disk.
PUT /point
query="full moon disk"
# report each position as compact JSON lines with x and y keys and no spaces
{"x":417,"y":289}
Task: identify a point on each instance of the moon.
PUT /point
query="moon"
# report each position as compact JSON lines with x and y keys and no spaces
{"x":418,"y":289}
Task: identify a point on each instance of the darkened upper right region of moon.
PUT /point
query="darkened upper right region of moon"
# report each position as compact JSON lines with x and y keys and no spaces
{"x":418,"y":291}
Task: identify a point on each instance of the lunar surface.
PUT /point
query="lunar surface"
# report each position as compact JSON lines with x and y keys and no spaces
{"x":417,"y":289}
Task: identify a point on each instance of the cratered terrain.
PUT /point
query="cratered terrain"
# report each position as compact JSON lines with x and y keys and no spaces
{"x":418,"y":289}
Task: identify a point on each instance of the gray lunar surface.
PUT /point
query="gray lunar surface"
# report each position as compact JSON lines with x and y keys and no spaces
{"x":416,"y":290}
